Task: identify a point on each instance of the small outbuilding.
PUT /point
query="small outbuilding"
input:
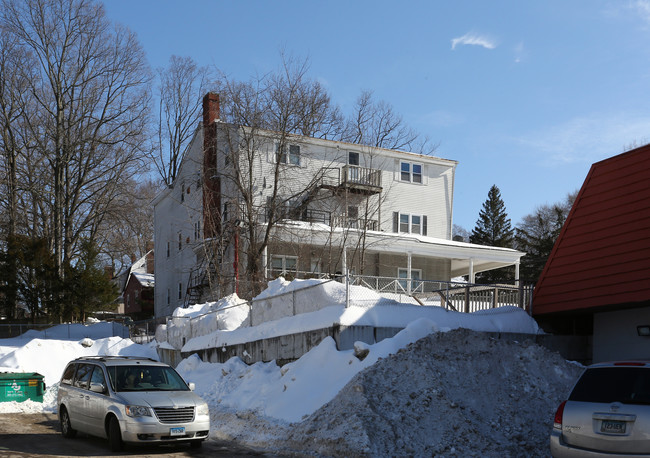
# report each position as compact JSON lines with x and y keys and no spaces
{"x":139,"y":289}
{"x":596,"y":282}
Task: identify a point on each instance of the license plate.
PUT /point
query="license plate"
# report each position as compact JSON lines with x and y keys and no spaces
{"x":612,"y":427}
{"x":180,"y":431}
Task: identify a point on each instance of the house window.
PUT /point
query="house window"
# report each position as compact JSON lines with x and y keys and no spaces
{"x":416,"y":277}
{"x":315,"y":266}
{"x":180,"y":291}
{"x":290,"y":155}
{"x":411,"y":172}
{"x":284,"y":265}
{"x":410,"y":223}
{"x":353,"y":217}
{"x":353,"y":158}
{"x":197,"y":230}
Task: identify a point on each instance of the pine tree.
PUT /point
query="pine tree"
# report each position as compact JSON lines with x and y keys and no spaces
{"x":494,"y":228}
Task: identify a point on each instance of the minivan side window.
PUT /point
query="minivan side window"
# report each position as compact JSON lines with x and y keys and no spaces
{"x":82,"y":378}
{"x":66,"y":378}
{"x":98,"y":376}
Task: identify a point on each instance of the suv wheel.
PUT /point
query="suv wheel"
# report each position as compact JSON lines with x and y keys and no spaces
{"x":114,"y":435}
{"x":66,"y":427}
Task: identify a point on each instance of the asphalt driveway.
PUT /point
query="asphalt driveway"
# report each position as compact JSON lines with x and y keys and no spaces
{"x":38,"y":435}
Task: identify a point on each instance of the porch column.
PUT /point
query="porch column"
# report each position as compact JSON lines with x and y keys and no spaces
{"x":408,"y":272}
{"x":517,"y":273}
{"x":472,"y":278}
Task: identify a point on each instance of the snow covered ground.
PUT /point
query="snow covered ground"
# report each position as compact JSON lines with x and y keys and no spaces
{"x":438,"y":388}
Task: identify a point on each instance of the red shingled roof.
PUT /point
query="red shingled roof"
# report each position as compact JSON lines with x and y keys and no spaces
{"x":602,"y":256}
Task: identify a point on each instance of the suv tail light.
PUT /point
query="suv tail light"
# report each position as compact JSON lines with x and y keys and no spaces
{"x":557,"y":422}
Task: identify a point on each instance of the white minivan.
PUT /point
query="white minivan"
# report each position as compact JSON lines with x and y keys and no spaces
{"x":130,"y":400}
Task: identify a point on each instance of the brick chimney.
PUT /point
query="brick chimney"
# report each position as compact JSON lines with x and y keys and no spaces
{"x":211,"y":182}
{"x":210,"y":108}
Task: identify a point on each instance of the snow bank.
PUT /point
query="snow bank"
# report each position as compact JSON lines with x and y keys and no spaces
{"x":49,"y":357}
{"x":228,"y":313}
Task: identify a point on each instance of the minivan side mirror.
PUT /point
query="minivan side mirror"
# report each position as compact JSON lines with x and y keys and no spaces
{"x":97,"y":387}
{"x":192,"y":386}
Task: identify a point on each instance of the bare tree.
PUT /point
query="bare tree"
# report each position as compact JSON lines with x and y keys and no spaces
{"x":182,"y":85}
{"x":90,"y":124}
{"x":124,"y":240}
{"x":375,"y":123}
{"x":267,"y":112}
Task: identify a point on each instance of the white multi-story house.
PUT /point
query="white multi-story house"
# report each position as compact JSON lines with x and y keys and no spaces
{"x":329,"y":208}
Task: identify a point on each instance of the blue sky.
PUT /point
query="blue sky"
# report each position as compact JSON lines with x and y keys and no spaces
{"x":523,"y":94}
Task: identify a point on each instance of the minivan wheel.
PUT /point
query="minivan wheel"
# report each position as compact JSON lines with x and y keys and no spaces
{"x":66,"y":427}
{"x":114,"y":435}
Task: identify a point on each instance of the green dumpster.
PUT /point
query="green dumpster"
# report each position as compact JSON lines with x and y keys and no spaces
{"x":21,"y":386}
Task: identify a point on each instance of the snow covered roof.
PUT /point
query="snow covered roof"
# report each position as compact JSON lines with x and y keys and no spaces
{"x":146,"y":280}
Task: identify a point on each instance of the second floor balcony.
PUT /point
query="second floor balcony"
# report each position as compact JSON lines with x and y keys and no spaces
{"x":352,"y":178}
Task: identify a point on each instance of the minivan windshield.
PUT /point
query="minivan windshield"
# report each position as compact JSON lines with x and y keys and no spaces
{"x":145,"y":378}
{"x":628,"y":385}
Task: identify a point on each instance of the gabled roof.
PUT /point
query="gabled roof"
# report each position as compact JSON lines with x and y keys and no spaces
{"x":602,"y":256}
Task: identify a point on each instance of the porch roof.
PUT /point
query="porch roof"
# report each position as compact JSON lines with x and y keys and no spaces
{"x":463,"y":256}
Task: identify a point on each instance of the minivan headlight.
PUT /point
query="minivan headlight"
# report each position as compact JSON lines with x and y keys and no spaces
{"x":202,"y":409}
{"x":137,"y":411}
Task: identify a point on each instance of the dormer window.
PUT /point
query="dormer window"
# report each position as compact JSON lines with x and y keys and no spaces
{"x":411,"y":172}
{"x":290,"y":154}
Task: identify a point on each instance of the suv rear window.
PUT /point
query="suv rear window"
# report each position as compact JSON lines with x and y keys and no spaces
{"x":628,"y":385}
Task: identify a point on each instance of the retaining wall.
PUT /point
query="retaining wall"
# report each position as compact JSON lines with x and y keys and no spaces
{"x":288,"y":348}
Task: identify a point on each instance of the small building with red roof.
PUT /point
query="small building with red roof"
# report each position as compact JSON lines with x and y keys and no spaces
{"x":596,"y":281}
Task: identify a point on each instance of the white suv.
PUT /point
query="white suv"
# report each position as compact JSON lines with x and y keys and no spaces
{"x":133,"y":400}
{"x":606,"y":414}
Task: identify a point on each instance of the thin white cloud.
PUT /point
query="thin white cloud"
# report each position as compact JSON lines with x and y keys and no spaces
{"x":520,"y":52}
{"x":442,"y":118}
{"x":587,"y":139}
{"x":642,"y":8}
{"x":473,"y":39}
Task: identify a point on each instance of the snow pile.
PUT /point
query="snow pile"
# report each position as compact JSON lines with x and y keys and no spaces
{"x":460,"y":393}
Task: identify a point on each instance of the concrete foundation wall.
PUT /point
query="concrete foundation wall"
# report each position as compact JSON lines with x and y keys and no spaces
{"x":285,"y":349}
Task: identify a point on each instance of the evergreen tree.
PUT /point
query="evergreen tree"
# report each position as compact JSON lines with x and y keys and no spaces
{"x":87,"y":288}
{"x":494,"y":228}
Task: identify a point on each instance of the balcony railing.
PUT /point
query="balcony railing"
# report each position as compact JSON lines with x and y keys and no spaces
{"x":361,"y":179}
{"x":461,"y":297}
{"x":353,"y":178}
{"x":321,"y":216}
{"x":355,"y":223}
